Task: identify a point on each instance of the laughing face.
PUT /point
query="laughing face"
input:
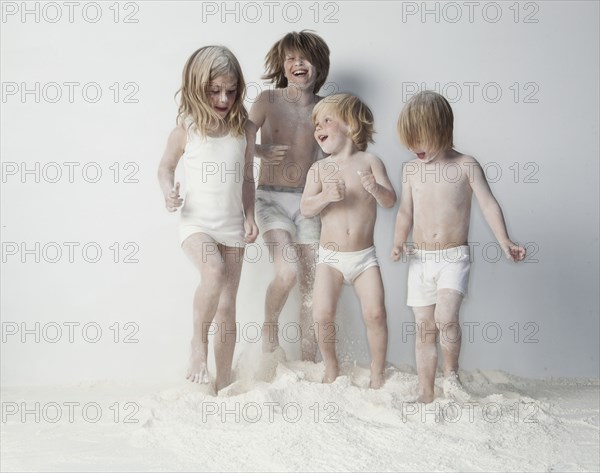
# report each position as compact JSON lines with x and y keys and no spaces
{"x":298,"y":70}
{"x":222,"y":92}
{"x":330,"y":132}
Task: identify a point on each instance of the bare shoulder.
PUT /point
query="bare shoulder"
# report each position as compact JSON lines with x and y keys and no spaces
{"x":370,"y":158}
{"x":178,"y":136}
{"x":464,"y":159}
{"x":262,"y":101}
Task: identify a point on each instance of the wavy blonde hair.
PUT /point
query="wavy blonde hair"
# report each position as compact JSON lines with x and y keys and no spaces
{"x":427,"y":119}
{"x":201,"y":68}
{"x":310,"y":45}
{"x":353,"y":112}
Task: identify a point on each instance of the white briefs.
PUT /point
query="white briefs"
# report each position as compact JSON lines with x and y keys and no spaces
{"x":429,"y":271}
{"x":350,"y":263}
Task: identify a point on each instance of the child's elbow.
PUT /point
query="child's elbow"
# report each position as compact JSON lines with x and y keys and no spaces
{"x":391,"y":201}
{"x":305,"y":210}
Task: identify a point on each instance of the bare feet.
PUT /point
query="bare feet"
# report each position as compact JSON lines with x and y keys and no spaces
{"x":270,"y":337}
{"x":197,"y":371}
{"x":454,"y":389}
{"x":425,"y":398}
{"x":377,"y":380}
{"x":331,"y":373}
{"x":220,"y":384}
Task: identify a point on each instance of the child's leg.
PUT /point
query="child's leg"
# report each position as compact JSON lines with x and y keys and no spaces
{"x":426,"y":351}
{"x":225,"y":337}
{"x":446,"y":318}
{"x":204,"y":253}
{"x":327,"y":289}
{"x":282,"y":253}
{"x":307,"y":257}
{"x":369,"y":288}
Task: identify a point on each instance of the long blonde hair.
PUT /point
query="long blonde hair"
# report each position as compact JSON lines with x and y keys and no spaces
{"x":201,"y":68}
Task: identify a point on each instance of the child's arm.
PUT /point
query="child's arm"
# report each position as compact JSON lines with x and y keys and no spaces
{"x":166,"y":168}
{"x":317,"y":195}
{"x":248,"y":190}
{"x":258,"y":114}
{"x":493,"y":213}
{"x":377,"y":183}
{"x":404,"y":219}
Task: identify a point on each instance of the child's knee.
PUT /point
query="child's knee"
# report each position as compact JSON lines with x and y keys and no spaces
{"x":323,"y":315}
{"x":426,"y":332}
{"x":213,"y":277}
{"x":375,"y":315}
{"x":450,"y":333}
{"x":287,"y":275}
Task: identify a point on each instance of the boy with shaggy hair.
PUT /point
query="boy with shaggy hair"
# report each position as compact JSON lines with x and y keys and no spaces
{"x":438,"y":210}
{"x":298,"y":65}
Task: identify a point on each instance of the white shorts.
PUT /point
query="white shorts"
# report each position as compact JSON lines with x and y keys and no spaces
{"x":429,"y":271}
{"x":278,"y":208}
{"x":350,"y":263}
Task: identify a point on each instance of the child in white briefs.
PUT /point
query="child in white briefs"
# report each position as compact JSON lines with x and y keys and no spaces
{"x":344,"y":189}
{"x":216,"y":141}
{"x":438,"y":212}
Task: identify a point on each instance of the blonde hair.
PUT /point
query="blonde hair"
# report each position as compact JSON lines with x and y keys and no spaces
{"x":427,"y":119}
{"x":310,"y":45}
{"x":201,"y":68}
{"x":353,"y":112}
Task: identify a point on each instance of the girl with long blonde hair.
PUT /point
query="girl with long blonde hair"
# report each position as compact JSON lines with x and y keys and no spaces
{"x":216,"y":142}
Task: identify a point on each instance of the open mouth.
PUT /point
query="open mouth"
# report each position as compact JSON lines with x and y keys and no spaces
{"x":421,"y":156}
{"x":300,"y":72}
{"x":322,"y":138}
{"x":221,"y":109}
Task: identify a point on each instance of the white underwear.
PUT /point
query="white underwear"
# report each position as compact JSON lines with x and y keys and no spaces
{"x":350,"y":263}
{"x":429,"y":271}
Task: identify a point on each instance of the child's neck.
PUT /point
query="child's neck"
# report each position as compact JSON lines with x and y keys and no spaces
{"x":297,"y":96}
{"x":348,"y":150}
{"x":221,"y":130}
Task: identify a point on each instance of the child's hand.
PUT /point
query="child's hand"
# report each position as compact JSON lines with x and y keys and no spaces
{"x":335,"y":190}
{"x":273,"y":153}
{"x":173,"y":200}
{"x":368,"y":181}
{"x":514,"y":252}
{"x":251,"y":230}
{"x":397,"y":251}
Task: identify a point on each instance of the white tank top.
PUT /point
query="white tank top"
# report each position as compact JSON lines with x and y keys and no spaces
{"x":214,"y":171}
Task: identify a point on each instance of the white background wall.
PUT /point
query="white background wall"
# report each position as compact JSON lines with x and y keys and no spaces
{"x":541,"y":56}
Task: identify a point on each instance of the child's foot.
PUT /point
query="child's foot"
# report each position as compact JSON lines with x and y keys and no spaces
{"x":454,"y":389}
{"x":270,"y":337}
{"x":197,"y":371}
{"x":331,"y":373}
{"x":377,"y":380}
{"x":221,"y":383}
{"x":425,"y":398}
